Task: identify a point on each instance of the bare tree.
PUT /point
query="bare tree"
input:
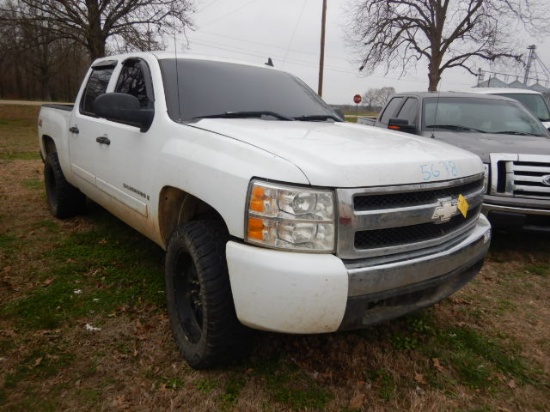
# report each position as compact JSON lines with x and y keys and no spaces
{"x":138,"y":24}
{"x":34,"y":64}
{"x":384,"y":95}
{"x":446,"y":33}
{"x":377,"y":98}
{"x":369,"y":97}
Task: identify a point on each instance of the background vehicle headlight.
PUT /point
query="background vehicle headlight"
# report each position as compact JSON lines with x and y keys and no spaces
{"x":290,"y":217}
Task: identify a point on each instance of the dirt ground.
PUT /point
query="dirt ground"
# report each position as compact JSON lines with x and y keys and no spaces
{"x":132,"y":363}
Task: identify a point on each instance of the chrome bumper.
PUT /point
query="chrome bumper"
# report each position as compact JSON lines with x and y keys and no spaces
{"x":387,"y":290}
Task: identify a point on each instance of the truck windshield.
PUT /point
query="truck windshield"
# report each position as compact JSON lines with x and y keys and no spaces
{"x":465,"y":114}
{"x":535,"y":103}
{"x":230,"y":90}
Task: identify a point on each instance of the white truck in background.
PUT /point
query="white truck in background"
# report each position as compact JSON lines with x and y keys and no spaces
{"x":274,"y":213}
{"x":531,"y":99}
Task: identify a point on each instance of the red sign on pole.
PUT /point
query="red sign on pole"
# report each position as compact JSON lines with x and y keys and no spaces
{"x":357,"y":98}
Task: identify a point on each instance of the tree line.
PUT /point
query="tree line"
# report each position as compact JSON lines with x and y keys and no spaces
{"x":46,"y":46}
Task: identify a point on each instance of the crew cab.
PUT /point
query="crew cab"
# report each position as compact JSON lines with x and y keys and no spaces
{"x":274,"y":213}
{"x":513,"y":145}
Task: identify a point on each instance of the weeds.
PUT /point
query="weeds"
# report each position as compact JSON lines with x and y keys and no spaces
{"x":485,"y":349}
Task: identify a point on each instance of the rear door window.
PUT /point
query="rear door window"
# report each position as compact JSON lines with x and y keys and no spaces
{"x":409,"y":111}
{"x":391,"y":109}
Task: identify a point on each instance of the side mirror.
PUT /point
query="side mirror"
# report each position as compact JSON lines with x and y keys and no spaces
{"x":124,"y":108}
{"x":401,"y":125}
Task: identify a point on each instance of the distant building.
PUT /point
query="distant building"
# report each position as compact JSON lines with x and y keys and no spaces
{"x":516,"y":84}
{"x":492,"y":82}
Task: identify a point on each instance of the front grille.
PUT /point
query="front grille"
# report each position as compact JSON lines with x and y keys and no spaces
{"x":395,"y":220}
{"x":523,"y":176}
{"x":411,"y":234}
{"x":392,"y":200}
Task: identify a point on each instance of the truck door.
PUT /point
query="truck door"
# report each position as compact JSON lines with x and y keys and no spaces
{"x":126,"y":160}
{"x":85,"y":152}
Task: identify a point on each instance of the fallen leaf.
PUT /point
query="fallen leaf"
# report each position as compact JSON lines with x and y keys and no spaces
{"x":357,"y":402}
{"x":437,"y":365}
{"x":48,"y":282}
{"x":460,"y":301}
{"x":37,"y":362}
{"x":420,"y":378}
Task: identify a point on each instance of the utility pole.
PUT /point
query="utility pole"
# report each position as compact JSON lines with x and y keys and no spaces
{"x":322,"y":57}
{"x":532,"y":54}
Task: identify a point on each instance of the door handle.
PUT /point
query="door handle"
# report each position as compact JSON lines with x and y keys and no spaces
{"x":103,"y":140}
{"x":74,"y":130}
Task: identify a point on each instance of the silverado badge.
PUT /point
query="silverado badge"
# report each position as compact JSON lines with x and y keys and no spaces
{"x":444,"y":211}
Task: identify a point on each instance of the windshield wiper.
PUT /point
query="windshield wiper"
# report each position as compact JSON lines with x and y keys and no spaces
{"x":244,"y":115}
{"x":454,"y":127}
{"x":517,"y":133}
{"x":317,"y":117}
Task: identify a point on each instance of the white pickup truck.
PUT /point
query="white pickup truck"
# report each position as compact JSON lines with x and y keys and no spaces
{"x":274,"y":213}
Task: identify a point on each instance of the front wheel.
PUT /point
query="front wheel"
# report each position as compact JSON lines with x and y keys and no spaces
{"x":198,"y":293}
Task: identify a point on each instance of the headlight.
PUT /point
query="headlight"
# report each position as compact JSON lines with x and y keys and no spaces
{"x":290,"y":217}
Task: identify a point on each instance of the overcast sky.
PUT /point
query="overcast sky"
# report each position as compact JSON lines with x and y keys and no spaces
{"x":289,"y":32}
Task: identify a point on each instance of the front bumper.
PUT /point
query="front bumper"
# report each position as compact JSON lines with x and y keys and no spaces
{"x":314,"y":293}
{"x":517,"y":217}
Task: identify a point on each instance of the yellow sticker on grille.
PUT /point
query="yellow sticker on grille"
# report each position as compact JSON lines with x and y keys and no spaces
{"x":463,"y":205}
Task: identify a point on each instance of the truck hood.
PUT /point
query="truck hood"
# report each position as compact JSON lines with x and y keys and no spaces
{"x":483,"y":144}
{"x":347,"y":155}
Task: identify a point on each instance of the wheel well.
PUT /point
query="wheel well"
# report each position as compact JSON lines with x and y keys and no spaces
{"x":177,"y":207}
{"x":49,"y":145}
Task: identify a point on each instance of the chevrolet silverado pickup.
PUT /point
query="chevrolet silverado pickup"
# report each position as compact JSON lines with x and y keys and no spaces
{"x":274,"y":213}
{"x":513,"y":145}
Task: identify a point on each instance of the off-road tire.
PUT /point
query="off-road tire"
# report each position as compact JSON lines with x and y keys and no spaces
{"x":198,"y":293}
{"x":64,"y":199}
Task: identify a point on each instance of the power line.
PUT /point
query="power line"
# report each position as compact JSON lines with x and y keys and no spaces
{"x":228,"y":14}
{"x":295,"y":28}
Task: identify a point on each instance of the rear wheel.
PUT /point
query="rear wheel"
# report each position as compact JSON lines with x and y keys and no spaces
{"x":64,"y":199}
{"x":198,"y":292}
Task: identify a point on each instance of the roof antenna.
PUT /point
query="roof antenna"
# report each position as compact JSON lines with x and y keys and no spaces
{"x":269,"y":62}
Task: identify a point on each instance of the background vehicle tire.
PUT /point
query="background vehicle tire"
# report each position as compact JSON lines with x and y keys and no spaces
{"x":199,"y":299}
{"x":64,"y":199}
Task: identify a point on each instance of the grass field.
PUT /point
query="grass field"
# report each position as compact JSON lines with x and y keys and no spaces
{"x":83,"y":325}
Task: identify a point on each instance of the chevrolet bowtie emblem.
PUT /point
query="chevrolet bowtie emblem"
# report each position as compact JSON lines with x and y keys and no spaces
{"x":444,"y":211}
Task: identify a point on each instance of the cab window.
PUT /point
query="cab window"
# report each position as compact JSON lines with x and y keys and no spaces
{"x":135,"y":79}
{"x":391,"y":109}
{"x":409,"y":111}
{"x":97,"y":84}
